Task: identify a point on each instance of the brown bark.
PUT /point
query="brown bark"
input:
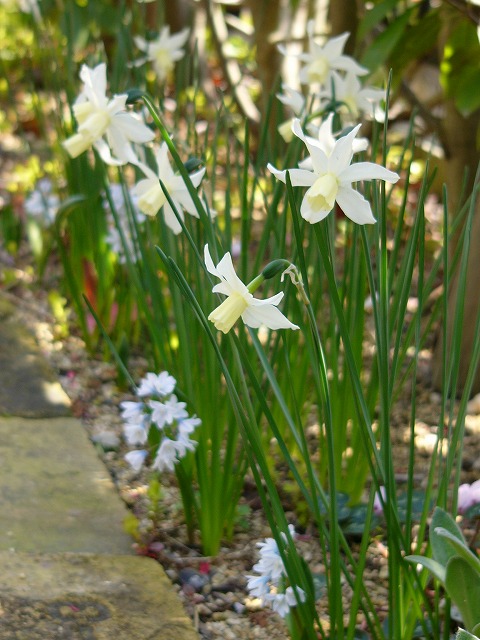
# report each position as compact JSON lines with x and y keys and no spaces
{"x":266,"y":14}
{"x":178,"y":14}
{"x":343,"y":16}
{"x":461,"y":154}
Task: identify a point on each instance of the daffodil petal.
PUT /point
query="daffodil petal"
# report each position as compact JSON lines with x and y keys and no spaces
{"x":197,"y":177}
{"x":334,"y":47}
{"x":186,"y":202}
{"x":227,"y":273}
{"x":268,"y":315}
{"x":346,"y":63}
{"x":141,"y":43}
{"x":133,"y":129}
{"x":342,"y":152}
{"x":171,"y":219}
{"x":354,"y":205}
{"x":272,"y":300}
{"x":298,"y":177}
{"x":105,"y":154}
{"x":315,"y":148}
{"x":211,"y":268}
{"x":367,"y":171}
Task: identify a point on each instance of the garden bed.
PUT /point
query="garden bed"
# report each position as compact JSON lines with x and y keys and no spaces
{"x":213,"y":589}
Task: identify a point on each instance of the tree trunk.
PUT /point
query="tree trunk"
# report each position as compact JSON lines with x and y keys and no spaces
{"x":178,"y":14}
{"x":461,"y":154}
{"x":343,"y":16}
{"x":266,"y":14}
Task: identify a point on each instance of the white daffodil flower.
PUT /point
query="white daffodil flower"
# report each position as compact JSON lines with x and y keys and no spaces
{"x":320,"y":61}
{"x":356,"y":99}
{"x":331,"y":178}
{"x":164,"y":51}
{"x":240,"y":301}
{"x":326,"y":140}
{"x":151,"y":197}
{"x":99,"y":118}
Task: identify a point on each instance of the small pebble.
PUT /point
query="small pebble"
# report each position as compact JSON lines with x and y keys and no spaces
{"x":108,"y":440}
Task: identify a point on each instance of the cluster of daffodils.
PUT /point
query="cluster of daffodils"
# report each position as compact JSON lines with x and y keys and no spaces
{"x":332,"y":79}
{"x":271,"y":585}
{"x":157,"y":417}
{"x":106,"y":126}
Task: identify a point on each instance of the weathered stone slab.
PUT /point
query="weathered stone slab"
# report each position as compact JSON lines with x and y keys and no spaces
{"x":28,"y":386}
{"x":88,"y":597}
{"x":55,"y":493}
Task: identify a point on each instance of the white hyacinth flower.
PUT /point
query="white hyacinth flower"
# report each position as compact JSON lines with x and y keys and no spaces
{"x":136,"y":458}
{"x":132,"y":411}
{"x":240,"y":301}
{"x":151,"y":197}
{"x":320,"y":61}
{"x":166,"y":457}
{"x":270,"y":584}
{"x":164,"y":51}
{"x":331,"y":178}
{"x":99,"y":118}
{"x":161,"y":384}
{"x":164,"y":413}
{"x":281,"y":603}
{"x":136,"y":432}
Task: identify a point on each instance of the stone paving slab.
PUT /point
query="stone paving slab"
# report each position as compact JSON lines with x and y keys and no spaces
{"x":28,"y":386}
{"x":55,"y":493}
{"x":88,"y":597}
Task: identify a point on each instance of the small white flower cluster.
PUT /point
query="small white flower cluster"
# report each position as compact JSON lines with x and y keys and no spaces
{"x":271,"y":585}
{"x":158,"y":408}
{"x":42,"y":203}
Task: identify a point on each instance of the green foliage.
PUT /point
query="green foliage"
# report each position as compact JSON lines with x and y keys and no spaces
{"x":460,"y":66}
{"x":465,"y":635}
{"x":455,"y":566}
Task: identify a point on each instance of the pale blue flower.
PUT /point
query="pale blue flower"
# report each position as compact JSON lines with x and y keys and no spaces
{"x":160,"y":384}
{"x":136,"y":458}
{"x":164,"y":413}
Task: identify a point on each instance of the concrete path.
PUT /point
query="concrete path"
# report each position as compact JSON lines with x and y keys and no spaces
{"x":67,"y":570}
